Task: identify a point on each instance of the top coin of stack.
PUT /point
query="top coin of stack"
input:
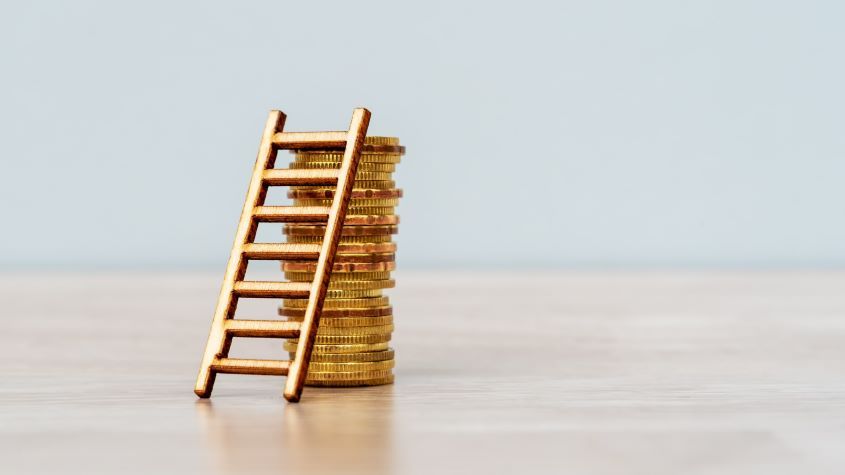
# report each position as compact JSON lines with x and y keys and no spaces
{"x":357,"y":320}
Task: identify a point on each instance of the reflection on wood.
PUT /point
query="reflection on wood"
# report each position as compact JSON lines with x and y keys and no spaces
{"x":335,"y":432}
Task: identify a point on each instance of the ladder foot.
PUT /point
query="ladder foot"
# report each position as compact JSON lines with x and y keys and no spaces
{"x":205,"y":383}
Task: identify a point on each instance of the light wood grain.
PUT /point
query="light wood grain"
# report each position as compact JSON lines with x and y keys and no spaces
{"x":287,"y":177}
{"x":281,"y":251}
{"x":291,"y":214}
{"x":609,"y":373}
{"x":262,"y":328}
{"x":251,"y":366}
{"x":302,"y":140}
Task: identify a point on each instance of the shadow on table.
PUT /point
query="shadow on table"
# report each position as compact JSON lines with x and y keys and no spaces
{"x":331,"y":431}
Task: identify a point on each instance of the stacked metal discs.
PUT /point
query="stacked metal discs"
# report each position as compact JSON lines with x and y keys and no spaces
{"x":352,"y":347}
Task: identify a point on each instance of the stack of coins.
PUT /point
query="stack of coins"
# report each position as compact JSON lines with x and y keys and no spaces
{"x":352,"y":347}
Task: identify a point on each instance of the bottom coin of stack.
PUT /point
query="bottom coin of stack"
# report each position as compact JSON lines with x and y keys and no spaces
{"x":357,"y":320}
{"x":352,"y":342}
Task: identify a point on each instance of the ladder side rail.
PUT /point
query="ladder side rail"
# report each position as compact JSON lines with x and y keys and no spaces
{"x":337,"y":213}
{"x":219,"y":342}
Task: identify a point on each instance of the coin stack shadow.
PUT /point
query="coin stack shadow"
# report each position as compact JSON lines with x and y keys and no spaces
{"x":352,"y":347}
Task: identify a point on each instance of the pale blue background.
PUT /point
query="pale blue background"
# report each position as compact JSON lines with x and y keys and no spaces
{"x":649,"y":133}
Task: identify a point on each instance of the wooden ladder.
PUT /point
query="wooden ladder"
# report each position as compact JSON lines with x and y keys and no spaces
{"x":224,"y":327}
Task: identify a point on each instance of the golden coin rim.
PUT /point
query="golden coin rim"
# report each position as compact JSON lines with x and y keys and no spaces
{"x":355,"y":284}
{"x":349,"y":322}
{"x":373,"y":219}
{"x":339,"y":313}
{"x":352,"y":339}
{"x":357,"y":193}
{"x":342,"y":267}
{"x":355,"y":213}
{"x":348,"y":231}
{"x":351,"y":384}
{"x":332,"y":160}
{"x":362,"y":166}
{"x":353,"y":294}
{"x":353,"y":203}
{"x":381,"y":140}
{"x":362,"y":357}
{"x":358,"y":285}
{"x":306,"y":276}
{"x":350,"y":367}
{"x":329,"y":330}
{"x":352,"y":240}
{"x":347,"y":376}
{"x":341,"y":349}
{"x":339,"y":303}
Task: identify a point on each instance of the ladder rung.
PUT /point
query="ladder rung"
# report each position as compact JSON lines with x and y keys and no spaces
{"x":282,"y":290}
{"x":263,"y":328}
{"x":244,"y":366}
{"x":286,"y":140}
{"x":281,"y":177}
{"x":291,"y":214}
{"x":282,"y":251}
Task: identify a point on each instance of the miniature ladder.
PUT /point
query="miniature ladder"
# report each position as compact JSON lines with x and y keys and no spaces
{"x":224,"y":327}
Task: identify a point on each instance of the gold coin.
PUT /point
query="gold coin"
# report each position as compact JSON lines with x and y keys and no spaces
{"x":367,"y":252}
{"x":368,"y":211}
{"x":352,"y":293}
{"x":360,"y":382}
{"x":341,"y":303}
{"x":330,"y":331}
{"x":372,"y":219}
{"x":348,"y":231}
{"x":362,"y":253}
{"x":364,"y":185}
{"x":366,"y":149}
{"x":383,"y":239}
{"x":356,"y":251}
{"x":350,"y":339}
{"x":337,"y":157}
{"x":290,"y":346}
{"x":374,"y":185}
{"x":362,"y":166}
{"x":341,"y":294}
{"x":328,"y":193}
{"x":347,"y":376}
{"x":354,"y":203}
{"x":338,"y":277}
{"x":344,"y":288}
{"x":341,"y":277}
{"x":354,"y":367}
{"x":341,"y":267}
{"x":349,"y":322}
{"x":340,"y":313}
{"x":351,"y":240}
{"x":381,"y":140}
{"x":400,"y":149}
{"x":365,"y":175}
{"x":350,"y":357}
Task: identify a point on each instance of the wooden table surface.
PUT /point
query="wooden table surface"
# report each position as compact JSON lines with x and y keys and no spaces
{"x":498,"y":372}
